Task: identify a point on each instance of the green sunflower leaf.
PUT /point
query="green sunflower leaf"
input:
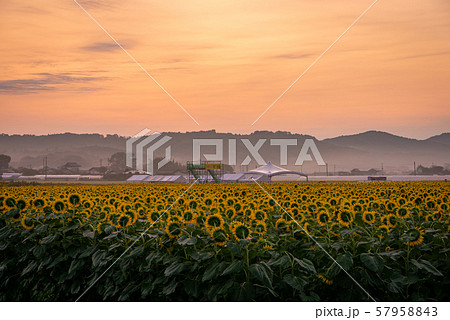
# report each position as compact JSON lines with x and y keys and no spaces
{"x":307,"y":265}
{"x":345,"y":260}
{"x":373,"y":262}
{"x":262,"y":272}
{"x":234,"y":267}
{"x":213,"y":271}
{"x":427,"y":266}
{"x":295,"y":282}
{"x":89,"y":234}
{"x":174,"y":269}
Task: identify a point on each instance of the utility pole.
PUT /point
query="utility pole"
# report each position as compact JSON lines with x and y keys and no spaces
{"x":414,"y":168}
{"x":45,"y":167}
{"x":327,"y":168}
{"x":101,"y":163}
{"x":382,"y":169}
{"x":334,"y":171}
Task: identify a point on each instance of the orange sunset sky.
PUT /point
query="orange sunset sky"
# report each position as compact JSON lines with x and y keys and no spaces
{"x":225,"y":62}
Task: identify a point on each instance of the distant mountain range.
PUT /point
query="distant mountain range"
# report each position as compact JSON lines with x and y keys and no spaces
{"x":371,"y":149}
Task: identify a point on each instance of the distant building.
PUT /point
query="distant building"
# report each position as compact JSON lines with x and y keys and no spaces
{"x":97,"y":170}
{"x":71,"y":168}
{"x":433,"y":170}
{"x":371,"y":172}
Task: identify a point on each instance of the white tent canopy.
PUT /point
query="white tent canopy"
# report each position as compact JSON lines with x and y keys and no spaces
{"x":271,"y":170}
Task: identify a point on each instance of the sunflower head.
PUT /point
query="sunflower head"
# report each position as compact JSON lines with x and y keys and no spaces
{"x":384,"y":228}
{"x":10,"y":202}
{"x":200,"y":220}
{"x":173,"y":229}
{"x":240,"y":231}
{"x":325,"y":279}
{"x":27,"y":223}
{"x":368,"y":217}
{"x":230,"y":213}
{"x":392,"y":221}
{"x":21,"y":204}
{"x":281,"y":224}
{"x":123,"y":221}
{"x":154,"y":216}
{"x":101,"y":227}
{"x":335,"y":229}
{"x":413,"y":236}
{"x":189,"y":216}
{"x":403,"y":213}
{"x":323,"y":218}
{"x":345,"y":217}
{"x":219,"y":236}
{"x":39,"y":203}
{"x":214,"y":221}
{"x":260,"y":227}
{"x":59,"y":206}
{"x":307,"y":228}
{"x":16,"y":216}
{"x":74,"y":199}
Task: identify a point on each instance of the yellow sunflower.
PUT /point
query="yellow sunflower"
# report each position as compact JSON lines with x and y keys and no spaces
{"x":392,"y":220}
{"x":214,"y":221}
{"x":403,"y":213}
{"x":345,"y":217}
{"x":307,"y":228}
{"x":173,"y":229}
{"x":240,"y":231}
{"x":368,"y":217}
{"x":335,"y":229}
{"x":384,"y":228}
{"x":325,"y":279}
{"x":281,"y":224}
{"x":323,"y":218}
{"x":219,"y":236}
{"x":260,"y":227}
{"x":414,"y":236}
{"x":259,"y":215}
{"x":27,"y":223}
{"x":123,"y":221}
{"x":189,"y":216}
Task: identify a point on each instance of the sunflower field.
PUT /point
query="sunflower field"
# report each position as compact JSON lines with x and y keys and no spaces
{"x":225,"y":242}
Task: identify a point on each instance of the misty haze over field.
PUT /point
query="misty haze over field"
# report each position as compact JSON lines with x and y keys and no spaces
{"x":372,"y":149}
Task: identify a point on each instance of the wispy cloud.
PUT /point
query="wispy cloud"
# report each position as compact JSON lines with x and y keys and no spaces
{"x":94,"y":4}
{"x":443,"y":53}
{"x":109,"y":46}
{"x":42,"y":82}
{"x":293,"y":56}
{"x":101,"y":47}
